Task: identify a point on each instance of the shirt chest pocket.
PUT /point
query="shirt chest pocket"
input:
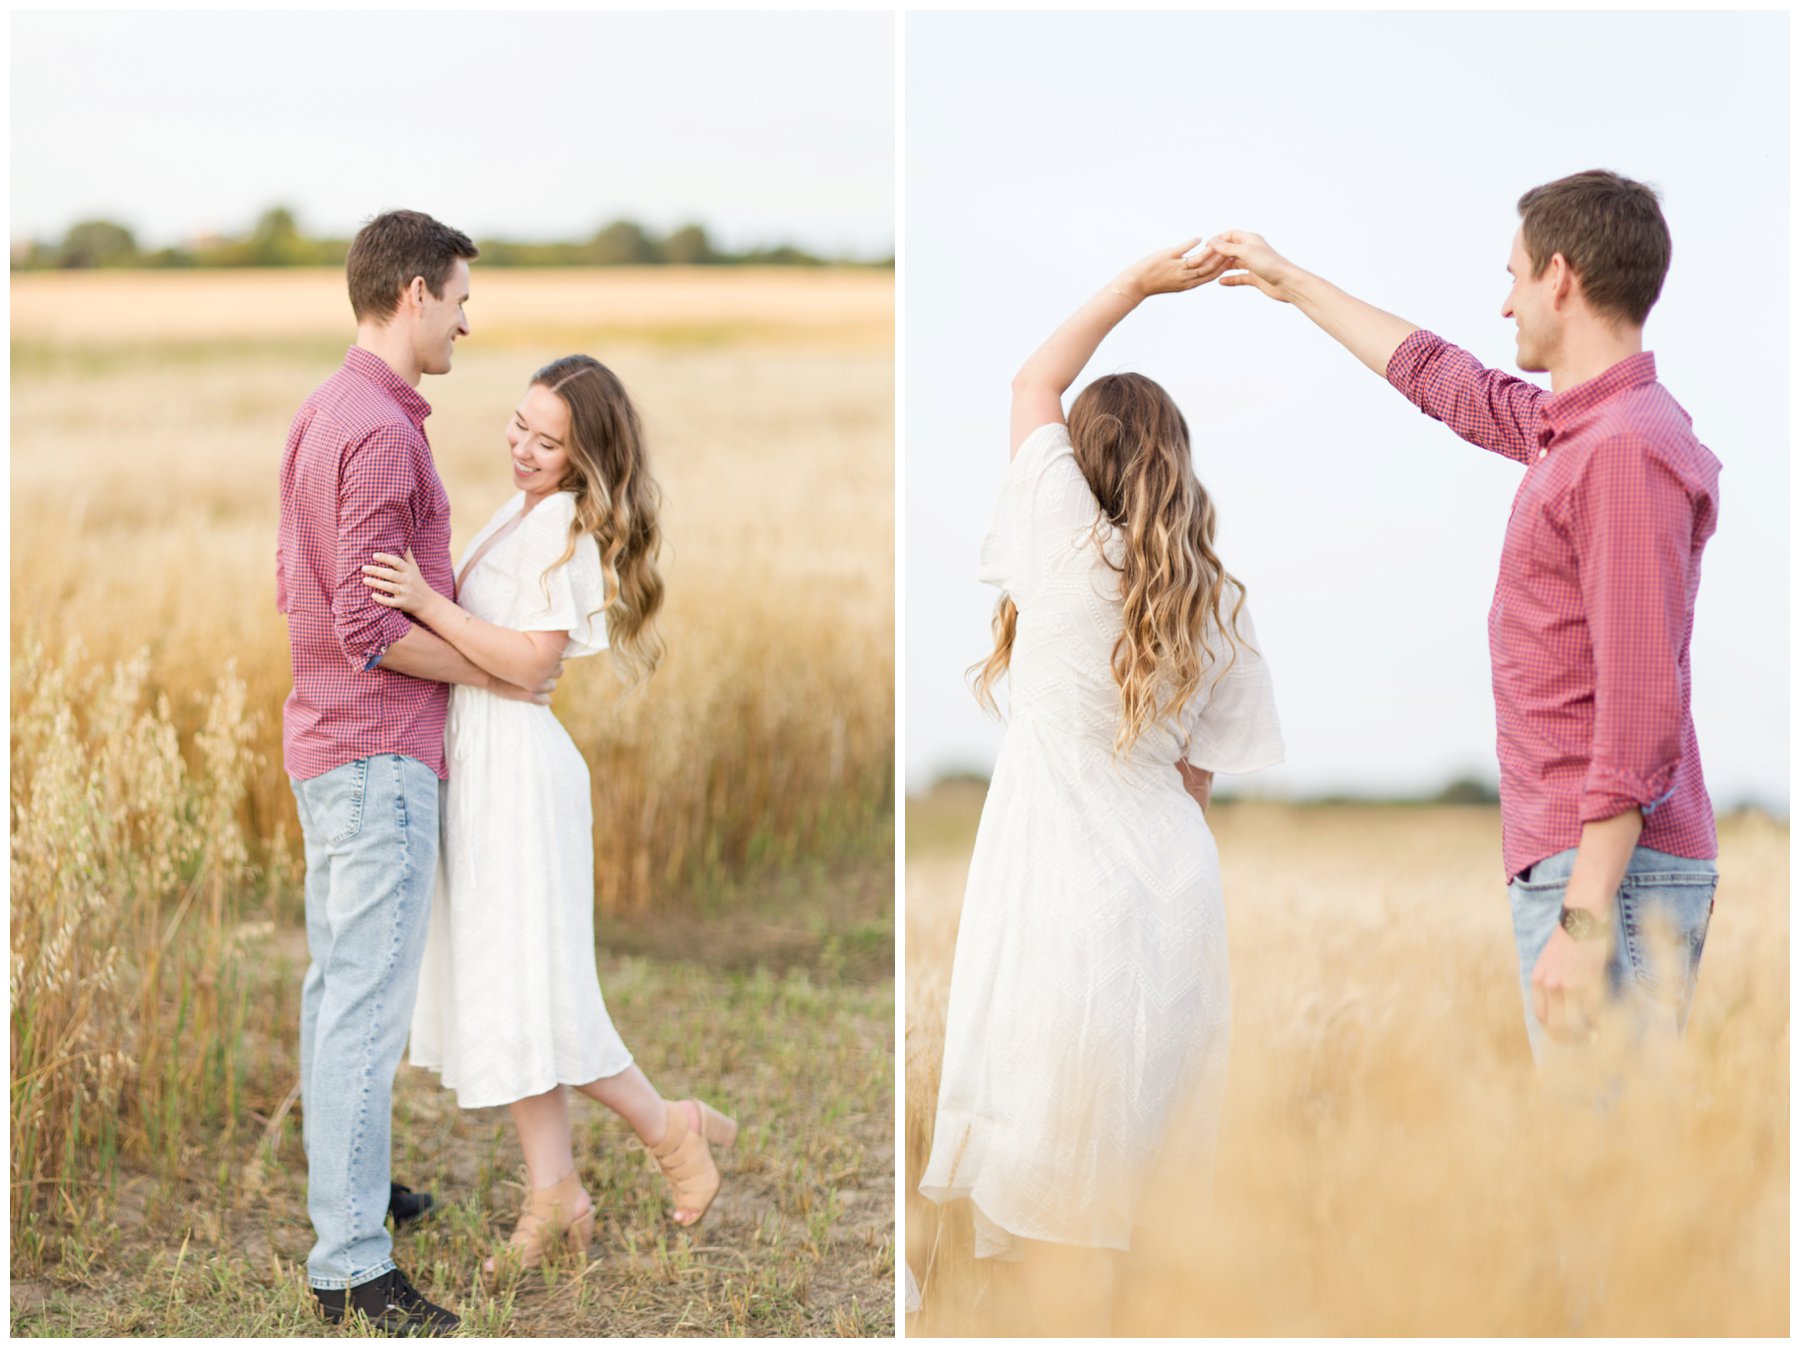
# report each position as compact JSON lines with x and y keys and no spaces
{"x":1537,"y":537}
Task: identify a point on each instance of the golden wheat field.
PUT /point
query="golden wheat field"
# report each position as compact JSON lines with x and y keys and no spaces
{"x":148,"y":417}
{"x":743,"y":801}
{"x":1389,"y":1163}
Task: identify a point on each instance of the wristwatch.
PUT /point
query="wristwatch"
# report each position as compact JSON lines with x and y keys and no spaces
{"x":1584,"y":925}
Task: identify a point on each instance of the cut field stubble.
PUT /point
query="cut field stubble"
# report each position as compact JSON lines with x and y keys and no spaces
{"x":155,"y":860}
{"x":1389,"y":1163}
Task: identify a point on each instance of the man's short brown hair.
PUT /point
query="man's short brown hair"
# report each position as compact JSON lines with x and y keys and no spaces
{"x":393,"y":248}
{"x":1609,"y":230}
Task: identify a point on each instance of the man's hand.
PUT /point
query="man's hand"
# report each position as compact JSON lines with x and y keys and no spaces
{"x":1568,"y":986}
{"x":1370,"y":334}
{"x":540,"y":695}
{"x":1262,"y":266}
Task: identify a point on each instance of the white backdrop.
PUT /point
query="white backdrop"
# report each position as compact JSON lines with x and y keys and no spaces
{"x":1386,"y":152}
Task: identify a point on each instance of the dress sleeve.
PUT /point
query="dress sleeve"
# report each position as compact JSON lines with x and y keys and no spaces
{"x":571,"y":597}
{"x":1044,"y":506}
{"x":1231,"y":724}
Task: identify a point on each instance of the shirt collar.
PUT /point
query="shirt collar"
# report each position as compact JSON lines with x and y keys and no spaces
{"x":1562,"y":408}
{"x":360,"y":360}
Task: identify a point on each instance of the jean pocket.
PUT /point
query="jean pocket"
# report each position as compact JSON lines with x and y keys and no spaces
{"x":1663,"y":919}
{"x":337,"y":801}
{"x":1551,"y":873}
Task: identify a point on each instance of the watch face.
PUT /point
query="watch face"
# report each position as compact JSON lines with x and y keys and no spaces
{"x":1581,"y":924}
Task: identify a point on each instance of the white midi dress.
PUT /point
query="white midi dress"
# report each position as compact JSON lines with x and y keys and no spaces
{"x":1089,"y":1006}
{"x":509,"y":1000}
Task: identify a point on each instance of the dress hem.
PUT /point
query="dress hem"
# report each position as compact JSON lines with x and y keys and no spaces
{"x":562,"y":1079}
{"x":942,"y":1194}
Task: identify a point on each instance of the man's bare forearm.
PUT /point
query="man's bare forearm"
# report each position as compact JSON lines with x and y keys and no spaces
{"x":1371,"y":335}
{"x":1600,"y":861}
{"x":524,"y":659}
{"x":425,"y":655}
{"x":1568,"y":982}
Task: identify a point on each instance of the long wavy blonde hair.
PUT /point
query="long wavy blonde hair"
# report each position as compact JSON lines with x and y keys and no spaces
{"x":1131,"y":443}
{"x":617,"y":503}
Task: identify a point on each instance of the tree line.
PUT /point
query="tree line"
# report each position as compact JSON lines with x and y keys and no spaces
{"x":276,"y":240}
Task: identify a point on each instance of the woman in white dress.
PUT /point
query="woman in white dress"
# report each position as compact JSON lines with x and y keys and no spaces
{"x":509,"y":1008}
{"x":1089,"y":1008}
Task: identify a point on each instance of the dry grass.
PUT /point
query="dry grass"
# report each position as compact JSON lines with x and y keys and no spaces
{"x":800,"y":1241}
{"x":144,"y":509}
{"x":1389,"y":1162}
{"x":155,"y":846}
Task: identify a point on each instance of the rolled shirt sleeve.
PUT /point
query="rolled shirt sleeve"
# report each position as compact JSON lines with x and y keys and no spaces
{"x":1489,"y":408}
{"x":1631,"y":525}
{"x":375,"y":514}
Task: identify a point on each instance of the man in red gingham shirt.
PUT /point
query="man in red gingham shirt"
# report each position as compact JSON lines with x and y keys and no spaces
{"x":363,"y":740}
{"x":357,"y":478}
{"x":1608,"y":831}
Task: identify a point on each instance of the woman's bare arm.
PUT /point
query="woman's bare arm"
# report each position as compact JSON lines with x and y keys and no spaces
{"x":1198,"y":783}
{"x":1038,"y":387}
{"x":522,"y":658}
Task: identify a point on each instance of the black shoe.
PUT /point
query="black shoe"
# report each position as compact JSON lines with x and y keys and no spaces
{"x":405,"y":1206}
{"x":390,"y":1305}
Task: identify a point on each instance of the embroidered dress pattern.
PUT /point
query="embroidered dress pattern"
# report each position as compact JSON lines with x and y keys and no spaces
{"x":1089,"y":1005}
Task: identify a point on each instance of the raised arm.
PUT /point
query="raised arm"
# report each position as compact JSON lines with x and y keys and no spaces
{"x":1371,"y":335}
{"x":1489,"y":408}
{"x":525,"y":659}
{"x":1038,"y":387}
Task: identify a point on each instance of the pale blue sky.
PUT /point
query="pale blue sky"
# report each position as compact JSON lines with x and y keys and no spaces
{"x":764,"y":127}
{"x":1386,"y":152}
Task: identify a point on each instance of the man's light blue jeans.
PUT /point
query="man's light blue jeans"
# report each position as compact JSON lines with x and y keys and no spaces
{"x":371,"y":830}
{"x":1659,"y":929}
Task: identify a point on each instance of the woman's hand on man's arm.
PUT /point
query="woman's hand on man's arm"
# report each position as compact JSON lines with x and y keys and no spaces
{"x":526,"y":663}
